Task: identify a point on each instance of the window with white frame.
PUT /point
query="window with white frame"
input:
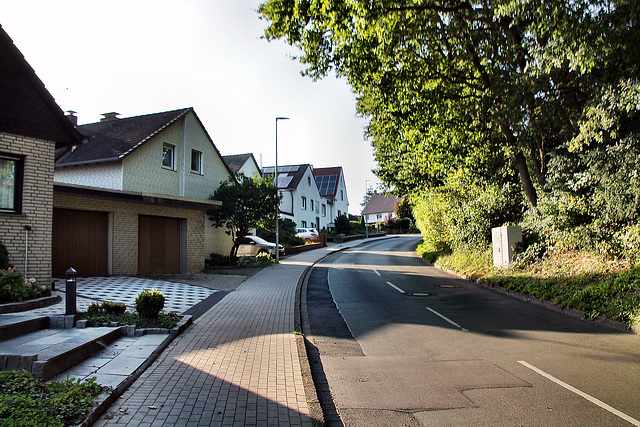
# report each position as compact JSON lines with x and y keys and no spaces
{"x":304,"y":224}
{"x":196,"y":162}
{"x":341,"y":195}
{"x":309,"y":180}
{"x":304,"y":202}
{"x":169,"y":156}
{"x":11,"y":178}
{"x":324,"y":210}
{"x":311,"y":204}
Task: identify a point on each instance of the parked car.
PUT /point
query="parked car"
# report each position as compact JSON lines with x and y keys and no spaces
{"x":308,"y":234}
{"x":254,"y":245}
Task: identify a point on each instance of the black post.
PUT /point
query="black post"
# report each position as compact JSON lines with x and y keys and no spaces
{"x":70,"y":295}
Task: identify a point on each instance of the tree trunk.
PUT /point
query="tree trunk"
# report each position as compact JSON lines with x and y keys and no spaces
{"x":525,"y":178}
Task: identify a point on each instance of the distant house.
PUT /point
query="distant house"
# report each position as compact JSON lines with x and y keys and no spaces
{"x":32,"y":129}
{"x":380,"y":208}
{"x":333,"y":190}
{"x":243,"y":163}
{"x":132,"y":200}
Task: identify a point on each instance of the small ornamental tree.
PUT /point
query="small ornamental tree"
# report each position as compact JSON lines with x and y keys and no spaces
{"x":403,"y":209}
{"x":246,"y":203}
{"x":343,"y":226}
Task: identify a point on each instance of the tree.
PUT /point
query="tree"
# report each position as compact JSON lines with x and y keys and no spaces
{"x":479,"y":85}
{"x":342,"y":225}
{"x":246,"y":203}
{"x":403,"y":209}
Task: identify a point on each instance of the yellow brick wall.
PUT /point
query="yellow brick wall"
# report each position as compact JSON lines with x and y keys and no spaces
{"x":37,"y":203}
{"x":124,"y":225}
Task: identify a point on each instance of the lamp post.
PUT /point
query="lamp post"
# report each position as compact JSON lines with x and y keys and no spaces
{"x":366,"y":191}
{"x":277,"y":190}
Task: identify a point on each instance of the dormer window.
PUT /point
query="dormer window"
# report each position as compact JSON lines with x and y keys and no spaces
{"x":169,"y":156}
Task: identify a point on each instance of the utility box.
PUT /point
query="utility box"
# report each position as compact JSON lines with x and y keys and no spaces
{"x":504,"y":241}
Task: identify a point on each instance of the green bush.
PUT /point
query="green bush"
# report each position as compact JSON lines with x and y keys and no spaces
{"x":4,"y":257}
{"x":217,"y":260}
{"x":258,"y":261}
{"x":15,"y":288}
{"x":107,"y":307}
{"x":149,"y":303}
{"x":29,"y":401}
{"x":342,"y":225}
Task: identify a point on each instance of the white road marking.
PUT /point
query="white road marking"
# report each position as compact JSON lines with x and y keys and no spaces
{"x":376,"y":271}
{"x":582,"y":394}
{"x":447,"y":319}
{"x":396,"y":288}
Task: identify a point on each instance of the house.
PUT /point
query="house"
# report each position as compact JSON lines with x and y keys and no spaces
{"x":32,"y":129}
{"x":133,"y":198}
{"x":303,"y":200}
{"x":243,"y":163}
{"x":333,"y":190}
{"x":380,"y":208}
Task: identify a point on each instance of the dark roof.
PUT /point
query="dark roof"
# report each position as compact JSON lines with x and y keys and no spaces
{"x":26,"y":106}
{"x":289,"y":176}
{"x":327,"y":180}
{"x":236,"y":161}
{"x":380,"y":204}
{"x":113,"y":139}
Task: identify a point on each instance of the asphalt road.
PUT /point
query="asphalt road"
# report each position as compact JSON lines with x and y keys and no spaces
{"x":419,"y":347}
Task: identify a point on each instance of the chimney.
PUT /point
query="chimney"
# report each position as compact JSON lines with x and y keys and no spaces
{"x":109,"y":116}
{"x":71,"y":115}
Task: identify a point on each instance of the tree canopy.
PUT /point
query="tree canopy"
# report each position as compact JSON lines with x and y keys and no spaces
{"x":246,"y":203}
{"x":495,"y":88}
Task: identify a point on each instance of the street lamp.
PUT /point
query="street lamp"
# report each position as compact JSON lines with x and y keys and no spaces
{"x":277,"y":190}
{"x":366,"y":191}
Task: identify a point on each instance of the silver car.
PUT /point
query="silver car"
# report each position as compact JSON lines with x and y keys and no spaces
{"x":254,"y":245}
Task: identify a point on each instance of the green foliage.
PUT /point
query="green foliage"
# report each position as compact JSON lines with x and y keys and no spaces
{"x":403,"y":209}
{"x":96,"y":318}
{"x":149,"y":303}
{"x":107,"y":307}
{"x":342,"y":225}
{"x":28,"y":401}
{"x":246,"y":203}
{"x":217,"y":260}
{"x":258,"y":261}
{"x":4,"y":257}
{"x":14,"y":287}
{"x":286,"y":234}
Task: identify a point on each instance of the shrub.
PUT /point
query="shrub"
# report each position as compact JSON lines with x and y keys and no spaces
{"x":342,"y":224}
{"x":4,"y":257}
{"x":258,"y":261}
{"x":217,"y":260}
{"x":149,"y":303}
{"x":15,"y":288}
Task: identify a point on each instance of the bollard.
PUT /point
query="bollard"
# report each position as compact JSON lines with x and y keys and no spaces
{"x":70,"y":295}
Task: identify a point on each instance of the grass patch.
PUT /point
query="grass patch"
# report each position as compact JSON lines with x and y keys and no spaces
{"x":590,"y":282}
{"x":164,"y":320}
{"x":29,"y":401}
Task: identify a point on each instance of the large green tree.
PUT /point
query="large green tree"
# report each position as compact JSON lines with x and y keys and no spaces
{"x":246,"y":203}
{"x":474,"y":84}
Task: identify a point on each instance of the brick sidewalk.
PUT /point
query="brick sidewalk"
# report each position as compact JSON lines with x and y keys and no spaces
{"x":236,"y":365}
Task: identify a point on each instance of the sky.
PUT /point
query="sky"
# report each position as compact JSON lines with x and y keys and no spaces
{"x":139,"y":57}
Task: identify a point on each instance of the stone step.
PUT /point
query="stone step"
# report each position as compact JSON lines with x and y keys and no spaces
{"x":15,"y":325}
{"x":48,"y":352}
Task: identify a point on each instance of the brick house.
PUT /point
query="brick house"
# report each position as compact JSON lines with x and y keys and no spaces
{"x":135,"y":196}
{"x":32,"y":129}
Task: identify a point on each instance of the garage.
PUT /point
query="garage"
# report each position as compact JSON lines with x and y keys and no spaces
{"x":159,"y":241}
{"x":80,"y":240}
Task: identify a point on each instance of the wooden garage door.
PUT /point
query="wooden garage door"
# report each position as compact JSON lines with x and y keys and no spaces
{"x":158,"y":245}
{"x":80,"y":240}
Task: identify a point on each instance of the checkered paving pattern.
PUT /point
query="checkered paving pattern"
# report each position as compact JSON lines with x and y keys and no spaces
{"x":179,"y":297}
{"x":236,"y":365}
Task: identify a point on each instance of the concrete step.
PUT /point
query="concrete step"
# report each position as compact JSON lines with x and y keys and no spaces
{"x":15,"y":325}
{"x":48,"y":352}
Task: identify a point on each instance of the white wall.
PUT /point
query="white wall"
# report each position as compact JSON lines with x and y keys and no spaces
{"x":101,"y":175}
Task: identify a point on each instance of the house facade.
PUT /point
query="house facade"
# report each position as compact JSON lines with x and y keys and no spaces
{"x":32,"y":129}
{"x":333,"y":189}
{"x":302,"y":201}
{"x":380,"y":208}
{"x":243,"y":163}
{"x":150,"y":177}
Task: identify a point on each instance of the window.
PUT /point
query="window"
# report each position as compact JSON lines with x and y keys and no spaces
{"x":304,"y":223}
{"x":339,"y":213}
{"x":196,"y":162}
{"x":309,"y":182}
{"x":304,"y":202}
{"x":311,"y":204}
{"x":11,"y":175}
{"x":324,"y":210}
{"x":169,"y":156}
{"x":341,"y":195}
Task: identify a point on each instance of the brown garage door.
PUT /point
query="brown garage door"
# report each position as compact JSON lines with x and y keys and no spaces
{"x":158,"y":245}
{"x":80,"y":240}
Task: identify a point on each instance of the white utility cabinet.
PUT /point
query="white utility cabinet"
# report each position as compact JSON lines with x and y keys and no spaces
{"x":504,"y":240}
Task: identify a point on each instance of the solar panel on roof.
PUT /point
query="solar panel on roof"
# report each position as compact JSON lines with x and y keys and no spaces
{"x":269,"y":169}
{"x":284,"y":181}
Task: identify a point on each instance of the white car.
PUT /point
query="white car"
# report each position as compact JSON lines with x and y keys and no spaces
{"x":254,"y":245}
{"x":308,"y":234}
